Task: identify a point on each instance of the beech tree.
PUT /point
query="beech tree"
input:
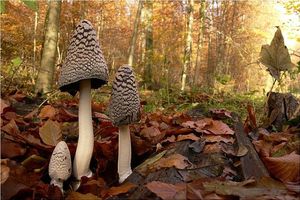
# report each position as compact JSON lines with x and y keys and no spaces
{"x":46,"y":71}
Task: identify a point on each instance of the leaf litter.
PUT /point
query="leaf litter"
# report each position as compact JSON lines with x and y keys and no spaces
{"x":30,"y":138}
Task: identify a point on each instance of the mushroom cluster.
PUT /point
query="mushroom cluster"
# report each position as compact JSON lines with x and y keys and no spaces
{"x":84,"y":69}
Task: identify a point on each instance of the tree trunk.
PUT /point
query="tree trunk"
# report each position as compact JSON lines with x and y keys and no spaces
{"x":148,"y":19}
{"x":46,"y":71}
{"x":188,"y":45}
{"x":200,"y":41}
{"x":134,"y":34}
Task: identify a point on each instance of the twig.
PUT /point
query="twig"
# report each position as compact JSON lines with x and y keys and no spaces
{"x":48,"y":98}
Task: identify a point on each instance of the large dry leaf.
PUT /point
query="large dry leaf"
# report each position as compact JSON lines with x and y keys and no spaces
{"x":4,"y":170}
{"x":11,"y":128}
{"x":152,"y":134}
{"x":4,"y":105}
{"x":47,"y":112}
{"x":276,"y":56}
{"x":218,"y":138}
{"x":124,"y":188}
{"x":50,"y":132}
{"x":165,"y":190}
{"x":10,"y":149}
{"x":190,"y":136}
{"x":285,"y":168}
{"x":175,"y":160}
{"x":78,"y":196}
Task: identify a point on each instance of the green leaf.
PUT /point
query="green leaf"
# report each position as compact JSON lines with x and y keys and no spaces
{"x":2,"y":6}
{"x":276,"y":56}
{"x":32,"y":4}
{"x":16,"y":61}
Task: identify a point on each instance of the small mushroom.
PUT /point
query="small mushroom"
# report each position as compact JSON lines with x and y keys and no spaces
{"x":83,"y":69}
{"x":124,"y":109}
{"x":60,"y":166}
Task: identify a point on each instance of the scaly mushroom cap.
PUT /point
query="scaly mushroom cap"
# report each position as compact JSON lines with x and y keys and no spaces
{"x":124,"y":107}
{"x":84,"y":60}
{"x":60,"y":163}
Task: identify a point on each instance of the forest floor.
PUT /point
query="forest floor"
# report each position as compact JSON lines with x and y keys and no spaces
{"x":186,"y":146}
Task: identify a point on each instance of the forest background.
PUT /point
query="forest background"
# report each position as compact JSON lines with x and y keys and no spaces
{"x":192,"y":46}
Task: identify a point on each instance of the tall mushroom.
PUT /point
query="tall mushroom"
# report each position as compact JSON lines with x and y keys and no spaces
{"x":60,"y":166}
{"x":83,"y":69}
{"x":124,"y":109}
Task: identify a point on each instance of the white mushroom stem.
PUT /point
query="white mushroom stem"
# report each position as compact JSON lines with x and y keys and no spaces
{"x":85,"y":144}
{"x":58,"y":183}
{"x":124,"y":155}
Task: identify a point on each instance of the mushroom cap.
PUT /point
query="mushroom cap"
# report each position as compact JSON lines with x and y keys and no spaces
{"x":84,"y":60}
{"x":60,"y":163}
{"x":124,"y":107}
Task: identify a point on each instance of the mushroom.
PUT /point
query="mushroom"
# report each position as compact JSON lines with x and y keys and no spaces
{"x":124,"y":109}
{"x":83,"y":69}
{"x":60,"y":166}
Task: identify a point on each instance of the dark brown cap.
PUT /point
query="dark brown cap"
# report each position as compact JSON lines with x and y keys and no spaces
{"x":84,"y":60}
{"x":124,"y":107}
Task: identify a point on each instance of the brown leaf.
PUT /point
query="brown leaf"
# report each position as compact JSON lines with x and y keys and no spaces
{"x":170,"y":139}
{"x":4,"y":104}
{"x":78,"y":196}
{"x":11,"y":128}
{"x":66,"y":116}
{"x":50,"y":132}
{"x":178,"y":131}
{"x":212,"y":148}
{"x":140,"y":146}
{"x":165,"y":190}
{"x":190,"y":136}
{"x":285,"y":168}
{"x":188,"y":124}
{"x":218,"y":138}
{"x":101,"y":116}
{"x":10,"y":149}
{"x":152,"y":134}
{"x":124,"y":188}
{"x":47,"y":112}
{"x":18,"y":96}
{"x":220,"y":113}
{"x":4,"y":170}
{"x":175,"y":160}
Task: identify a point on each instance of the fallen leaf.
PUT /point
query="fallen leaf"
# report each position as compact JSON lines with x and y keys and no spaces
{"x":188,"y":124}
{"x":165,"y":190}
{"x":34,"y":163}
{"x":190,"y":136}
{"x":78,"y":196}
{"x":140,"y":146}
{"x":152,"y":134}
{"x":178,"y":131}
{"x":47,"y":112}
{"x":50,"y":132}
{"x":170,"y":139}
{"x":18,"y":96}
{"x":66,"y":116}
{"x":93,"y":186}
{"x":175,"y":160}
{"x":4,"y":105}
{"x":220,"y":113}
{"x":285,"y":168}
{"x":10,"y":149}
{"x":218,"y":138}
{"x":4,"y":170}
{"x":124,"y":188}
{"x":212,"y":148}
{"x":11,"y":128}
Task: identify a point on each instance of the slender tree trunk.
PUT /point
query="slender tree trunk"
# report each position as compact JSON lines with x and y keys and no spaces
{"x":46,"y":71}
{"x":188,"y":44}
{"x":200,"y":41}
{"x":134,"y":34}
{"x":148,"y":17}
